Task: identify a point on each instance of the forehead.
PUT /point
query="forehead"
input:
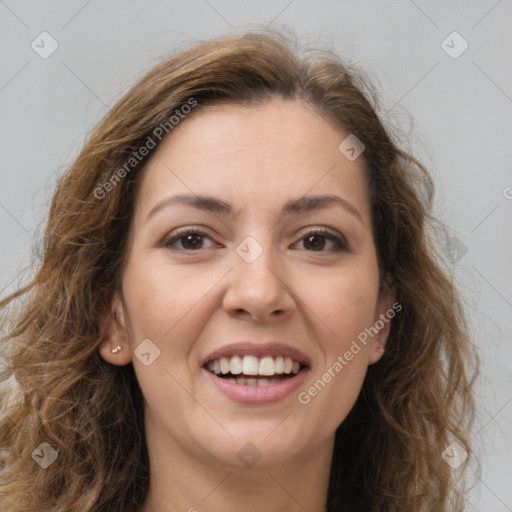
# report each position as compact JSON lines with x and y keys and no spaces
{"x":256,"y":157}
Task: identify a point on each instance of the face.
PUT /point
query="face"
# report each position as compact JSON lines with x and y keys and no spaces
{"x":266,"y":270}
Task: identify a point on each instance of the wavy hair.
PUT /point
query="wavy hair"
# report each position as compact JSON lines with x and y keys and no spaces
{"x":57,"y":388}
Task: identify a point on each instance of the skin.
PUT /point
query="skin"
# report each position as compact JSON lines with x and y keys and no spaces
{"x":190,"y":302}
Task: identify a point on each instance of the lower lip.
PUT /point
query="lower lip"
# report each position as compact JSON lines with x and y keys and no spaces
{"x":258,"y":395}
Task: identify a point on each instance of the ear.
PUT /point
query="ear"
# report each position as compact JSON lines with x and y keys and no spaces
{"x":114,"y":334}
{"x":384,"y":313}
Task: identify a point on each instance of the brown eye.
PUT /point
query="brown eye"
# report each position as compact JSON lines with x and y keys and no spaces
{"x":190,"y":240}
{"x":317,"y":240}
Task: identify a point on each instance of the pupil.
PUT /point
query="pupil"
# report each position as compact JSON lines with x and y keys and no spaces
{"x":318,"y":244}
{"x":195,"y":237}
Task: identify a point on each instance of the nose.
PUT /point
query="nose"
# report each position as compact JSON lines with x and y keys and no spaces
{"x":259,"y":291}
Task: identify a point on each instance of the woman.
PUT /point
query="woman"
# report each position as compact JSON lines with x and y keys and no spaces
{"x":238,"y":305}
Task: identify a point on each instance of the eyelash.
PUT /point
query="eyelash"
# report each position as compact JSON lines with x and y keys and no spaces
{"x":168,"y":241}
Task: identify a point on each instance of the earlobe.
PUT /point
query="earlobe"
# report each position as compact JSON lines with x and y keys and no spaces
{"x":385,"y":312}
{"x":377,"y":351}
{"x":114,"y":346}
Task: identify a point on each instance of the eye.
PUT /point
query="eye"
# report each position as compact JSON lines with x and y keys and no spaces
{"x":190,"y":239}
{"x":316,"y":240}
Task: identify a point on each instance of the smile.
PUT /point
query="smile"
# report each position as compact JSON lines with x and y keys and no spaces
{"x":250,"y":370}
{"x":252,"y":373}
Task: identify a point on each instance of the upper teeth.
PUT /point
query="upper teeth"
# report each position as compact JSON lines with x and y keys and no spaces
{"x":251,"y":365}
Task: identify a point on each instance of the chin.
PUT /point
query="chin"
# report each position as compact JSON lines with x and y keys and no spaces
{"x":258,"y":448}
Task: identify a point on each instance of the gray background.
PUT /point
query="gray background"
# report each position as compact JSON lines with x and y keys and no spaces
{"x":460,"y":120}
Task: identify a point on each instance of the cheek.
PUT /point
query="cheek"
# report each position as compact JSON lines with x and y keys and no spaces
{"x":346,"y":303}
{"x":164,"y":304}
{"x":164,"y":290}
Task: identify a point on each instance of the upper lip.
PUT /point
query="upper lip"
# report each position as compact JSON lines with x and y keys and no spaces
{"x":249,"y":348}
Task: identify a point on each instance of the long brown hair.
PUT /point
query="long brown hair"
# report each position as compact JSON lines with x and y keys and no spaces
{"x":57,"y":388}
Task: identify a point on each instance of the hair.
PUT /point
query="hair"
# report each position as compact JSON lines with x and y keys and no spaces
{"x":57,"y":388}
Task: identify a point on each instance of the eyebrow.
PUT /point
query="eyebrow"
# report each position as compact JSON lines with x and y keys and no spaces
{"x":218,"y":206}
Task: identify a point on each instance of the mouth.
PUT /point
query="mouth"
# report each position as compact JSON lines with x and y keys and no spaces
{"x":256,"y":374}
{"x":251,"y":370}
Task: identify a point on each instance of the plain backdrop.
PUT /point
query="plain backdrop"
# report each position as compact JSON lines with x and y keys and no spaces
{"x":445,"y":75}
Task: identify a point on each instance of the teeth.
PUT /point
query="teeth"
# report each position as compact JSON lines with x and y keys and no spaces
{"x":253,"y":382}
{"x":267,"y":366}
{"x":235,"y":365}
{"x":224,"y":365}
{"x":250,"y":365}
